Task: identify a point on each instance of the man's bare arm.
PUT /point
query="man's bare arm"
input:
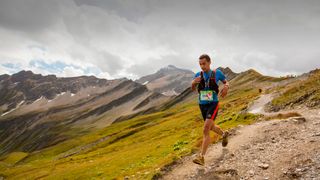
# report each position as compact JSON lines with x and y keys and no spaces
{"x":194,"y":83}
{"x":225,"y":89}
{"x":225,"y":82}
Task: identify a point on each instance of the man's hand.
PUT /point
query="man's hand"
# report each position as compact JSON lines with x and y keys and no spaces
{"x":195,"y":81}
{"x":225,"y":89}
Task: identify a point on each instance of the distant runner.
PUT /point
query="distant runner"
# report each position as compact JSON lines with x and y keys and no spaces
{"x":206,"y":82}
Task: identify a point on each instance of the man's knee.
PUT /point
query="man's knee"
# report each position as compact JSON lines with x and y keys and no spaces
{"x":207,"y":127}
{"x":214,"y":126}
{"x":206,"y":131}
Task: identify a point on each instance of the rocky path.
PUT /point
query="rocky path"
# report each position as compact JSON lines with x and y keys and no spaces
{"x":275,"y":149}
{"x":258,"y":106}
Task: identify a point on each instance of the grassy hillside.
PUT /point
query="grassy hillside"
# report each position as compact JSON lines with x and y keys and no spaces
{"x":305,"y":92}
{"x":137,"y":148}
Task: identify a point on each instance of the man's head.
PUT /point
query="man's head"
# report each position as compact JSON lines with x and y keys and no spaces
{"x":204,"y":62}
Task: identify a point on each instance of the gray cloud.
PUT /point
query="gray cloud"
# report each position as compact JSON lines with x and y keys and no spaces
{"x":135,"y":38}
{"x":30,"y":16}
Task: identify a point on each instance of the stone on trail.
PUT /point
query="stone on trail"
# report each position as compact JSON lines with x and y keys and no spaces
{"x":263,"y":166}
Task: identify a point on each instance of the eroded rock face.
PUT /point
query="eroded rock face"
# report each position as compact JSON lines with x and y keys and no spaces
{"x":28,"y":87}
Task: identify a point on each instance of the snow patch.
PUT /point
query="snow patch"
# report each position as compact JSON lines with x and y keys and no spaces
{"x":13,"y":108}
{"x":37,"y":99}
{"x":170,"y":93}
{"x":72,"y":94}
{"x":145,"y":83}
{"x":20,"y":103}
{"x":62,"y":93}
{"x":8,"y":112}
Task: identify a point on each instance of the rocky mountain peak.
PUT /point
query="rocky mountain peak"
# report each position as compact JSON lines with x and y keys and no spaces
{"x":228,"y":72}
{"x":172,"y":69}
{"x":169,"y":80}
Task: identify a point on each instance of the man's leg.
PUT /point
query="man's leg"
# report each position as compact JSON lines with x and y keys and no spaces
{"x":206,"y":136}
{"x":199,"y":159}
{"x":215,"y":128}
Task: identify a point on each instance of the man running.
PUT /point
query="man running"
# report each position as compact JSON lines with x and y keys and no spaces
{"x":206,"y":82}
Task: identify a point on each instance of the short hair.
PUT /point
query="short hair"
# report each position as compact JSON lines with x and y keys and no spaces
{"x":205,"y":56}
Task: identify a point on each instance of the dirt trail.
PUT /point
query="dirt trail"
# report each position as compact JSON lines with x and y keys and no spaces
{"x":258,"y":105}
{"x":276,"y":149}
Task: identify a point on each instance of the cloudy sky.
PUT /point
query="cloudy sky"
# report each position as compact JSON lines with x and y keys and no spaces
{"x":126,"y":38}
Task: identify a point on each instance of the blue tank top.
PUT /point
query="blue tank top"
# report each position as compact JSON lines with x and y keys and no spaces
{"x":206,"y":75}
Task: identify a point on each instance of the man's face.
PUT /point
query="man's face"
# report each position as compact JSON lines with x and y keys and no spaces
{"x":204,"y":64}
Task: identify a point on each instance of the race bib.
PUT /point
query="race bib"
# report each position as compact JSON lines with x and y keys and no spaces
{"x":206,"y":95}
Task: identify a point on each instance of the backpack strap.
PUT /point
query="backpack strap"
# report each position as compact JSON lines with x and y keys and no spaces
{"x":201,"y":74}
{"x":212,"y":82}
{"x":213,"y":74}
{"x":201,"y":85}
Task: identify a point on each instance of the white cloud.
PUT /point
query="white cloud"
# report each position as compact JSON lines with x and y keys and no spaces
{"x":131,"y":39}
{"x":4,"y":70}
{"x":71,"y":72}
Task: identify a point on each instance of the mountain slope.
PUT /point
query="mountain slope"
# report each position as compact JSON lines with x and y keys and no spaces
{"x":53,"y":109}
{"x":300,"y":92}
{"x":25,"y":87}
{"x":138,"y":147}
{"x":169,"y":80}
{"x":228,"y":73}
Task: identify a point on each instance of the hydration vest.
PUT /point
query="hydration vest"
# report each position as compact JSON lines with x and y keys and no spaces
{"x":211,"y":84}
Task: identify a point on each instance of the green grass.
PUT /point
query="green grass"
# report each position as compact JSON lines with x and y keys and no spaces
{"x":14,"y":157}
{"x":137,"y":148}
{"x":302,"y":92}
